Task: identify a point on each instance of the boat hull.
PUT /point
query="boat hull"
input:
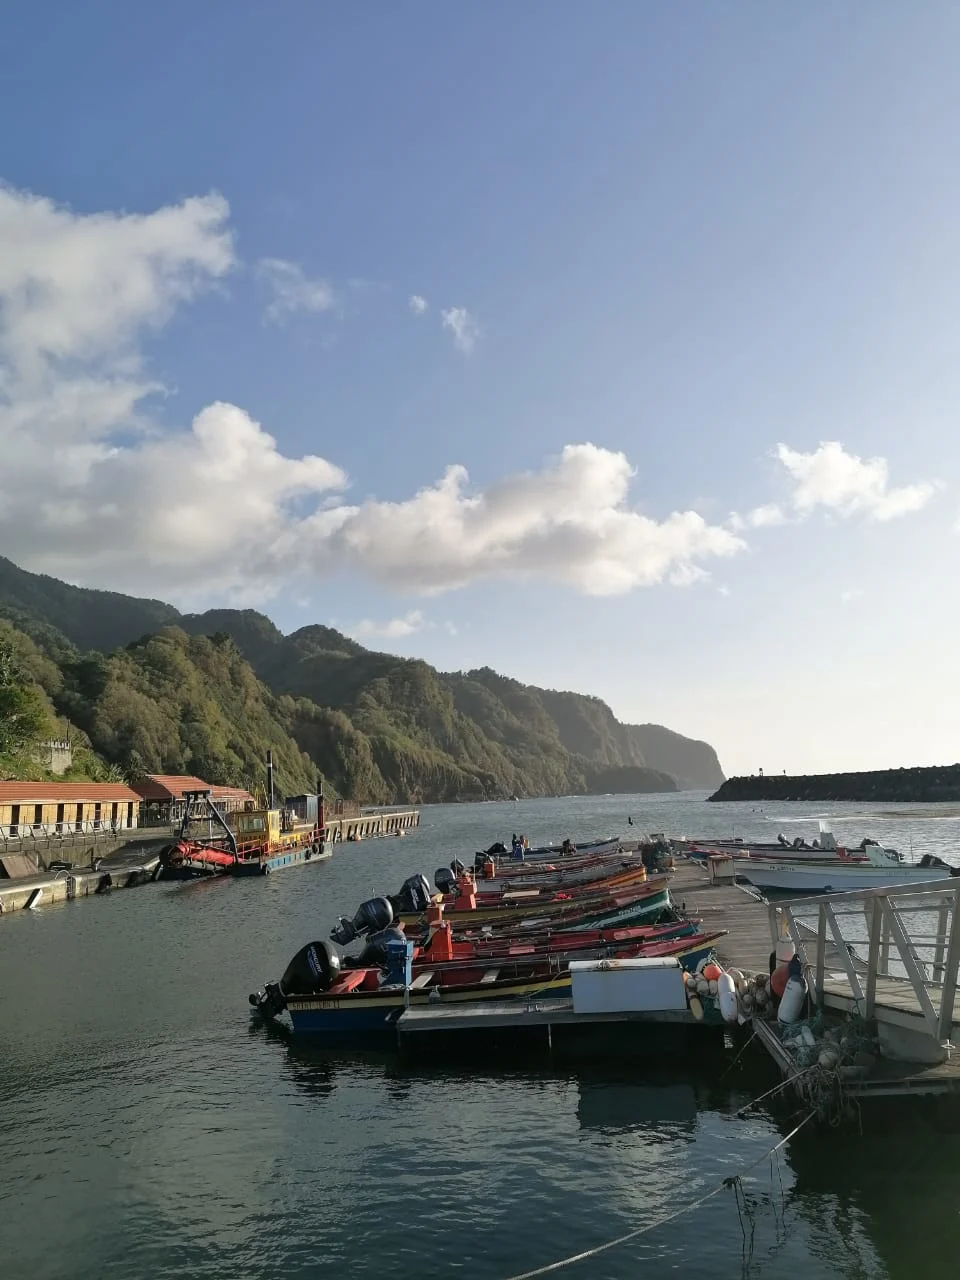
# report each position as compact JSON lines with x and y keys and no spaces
{"x":278,"y":861}
{"x":834,"y":877}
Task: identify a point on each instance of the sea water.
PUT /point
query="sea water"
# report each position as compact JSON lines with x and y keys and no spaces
{"x":148,"y":1128}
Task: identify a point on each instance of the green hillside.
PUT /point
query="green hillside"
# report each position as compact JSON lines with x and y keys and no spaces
{"x":141,"y":687}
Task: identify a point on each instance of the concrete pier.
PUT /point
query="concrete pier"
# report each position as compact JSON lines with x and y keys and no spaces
{"x":368,"y":824}
{"x":63,"y":886}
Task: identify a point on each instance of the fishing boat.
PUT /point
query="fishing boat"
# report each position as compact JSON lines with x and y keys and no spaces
{"x":880,"y":868}
{"x":323,"y":998}
{"x":618,"y":900}
{"x":564,"y":848}
{"x":824,"y":847}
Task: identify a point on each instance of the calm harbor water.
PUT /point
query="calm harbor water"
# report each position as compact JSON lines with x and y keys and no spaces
{"x":148,"y":1130}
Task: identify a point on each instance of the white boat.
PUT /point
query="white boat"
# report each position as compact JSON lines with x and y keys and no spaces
{"x":878,"y":869}
{"x":797,"y":850}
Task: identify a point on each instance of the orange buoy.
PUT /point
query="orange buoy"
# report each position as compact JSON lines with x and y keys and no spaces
{"x":712,"y":972}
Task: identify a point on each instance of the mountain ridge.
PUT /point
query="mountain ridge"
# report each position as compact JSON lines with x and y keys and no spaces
{"x":380,"y":727}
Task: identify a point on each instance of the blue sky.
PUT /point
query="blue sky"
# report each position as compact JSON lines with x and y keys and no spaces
{"x":685,"y":235}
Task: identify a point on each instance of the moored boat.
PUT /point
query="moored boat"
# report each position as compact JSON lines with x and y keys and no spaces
{"x":250,"y":842}
{"x":322,"y":998}
{"x":837,"y":875}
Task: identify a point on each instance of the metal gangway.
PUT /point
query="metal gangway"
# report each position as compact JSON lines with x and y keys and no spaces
{"x":889,"y":955}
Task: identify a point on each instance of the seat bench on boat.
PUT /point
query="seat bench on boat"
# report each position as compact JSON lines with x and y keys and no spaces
{"x":491,"y":975}
{"x":423,"y":980}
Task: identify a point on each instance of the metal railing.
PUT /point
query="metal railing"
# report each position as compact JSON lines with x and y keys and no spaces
{"x":910,"y":934}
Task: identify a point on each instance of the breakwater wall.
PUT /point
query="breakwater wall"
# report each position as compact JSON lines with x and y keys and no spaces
{"x":936,"y":784}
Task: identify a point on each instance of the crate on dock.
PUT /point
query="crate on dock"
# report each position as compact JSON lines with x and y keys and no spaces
{"x":627,"y":986}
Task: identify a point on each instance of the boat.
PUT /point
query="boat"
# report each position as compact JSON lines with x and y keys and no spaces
{"x":823,"y":847}
{"x":880,"y":868}
{"x":250,"y":842}
{"x":616,"y":900}
{"x":322,"y":998}
{"x":521,"y":851}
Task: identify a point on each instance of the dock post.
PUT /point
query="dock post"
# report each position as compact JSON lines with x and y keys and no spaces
{"x":945,"y":1024}
{"x":875,"y":920}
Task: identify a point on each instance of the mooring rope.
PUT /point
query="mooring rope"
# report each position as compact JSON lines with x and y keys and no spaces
{"x":732,"y":1181}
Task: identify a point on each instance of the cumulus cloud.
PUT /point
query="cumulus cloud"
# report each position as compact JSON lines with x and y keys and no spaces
{"x":93,"y":489}
{"x":463,"y":326}
{"x":292,"y":290}
{"x":841,"y":482}
{"x":417,"y":304}
{"x":394,"y":629}
{"x":568,"y":523}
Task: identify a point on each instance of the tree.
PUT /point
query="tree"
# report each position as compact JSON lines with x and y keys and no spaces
{"x":23,"y":715}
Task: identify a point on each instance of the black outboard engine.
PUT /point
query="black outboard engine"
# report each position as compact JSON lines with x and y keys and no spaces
{"x":499,"y":847}
{"x":478,"y":863}
{"x":374,"y":954}
{"x":313,"y":969}
{"x":445,"y":880}
{"x":798,"y":842}
{"x":370,"y":917}
{"x":414,"y":895}
{"x":782,"y":839}
{"x":931,"y":860}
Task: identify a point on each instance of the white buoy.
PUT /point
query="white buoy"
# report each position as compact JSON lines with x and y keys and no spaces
{"x":791,"y":1002}
{"x":727,"y":995}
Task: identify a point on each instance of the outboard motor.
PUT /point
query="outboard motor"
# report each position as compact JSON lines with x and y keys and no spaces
{"x":445,"y":880}
{"x":798,"y":842}
{"x":314,"y":968}
{"x":782,"y":839}
{"x":478,"y":860}
{"x":414,"y":894}
{"x":375,"y":953}
{"x":931,"y":860}
{"x":371,"y":916}
{"x":457,"y":867}
{"x":499,"y":847}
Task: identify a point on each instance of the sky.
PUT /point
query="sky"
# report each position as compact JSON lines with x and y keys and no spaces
{"x":613,"y":346}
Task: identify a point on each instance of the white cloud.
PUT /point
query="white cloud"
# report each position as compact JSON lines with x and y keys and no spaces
{"x":761,"y":517}
{"x":395,"y":629}
{"x":855,"y":593}
{"x":417,"y":304}
{"x":848,"y":485}
{"x":215,"y":508}
{"x":292,"y":290}
{"x":463,"y":326}
{"x":568,"y":523}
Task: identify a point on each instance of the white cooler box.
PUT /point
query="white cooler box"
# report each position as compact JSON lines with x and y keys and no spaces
{"x":627,"y":986}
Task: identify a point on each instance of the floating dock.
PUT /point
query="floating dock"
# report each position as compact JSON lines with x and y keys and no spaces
{"x":913,"y":1010}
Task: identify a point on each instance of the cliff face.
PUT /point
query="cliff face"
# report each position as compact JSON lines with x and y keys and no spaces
{"x":381,"y":728}
{"x":931,"y":785}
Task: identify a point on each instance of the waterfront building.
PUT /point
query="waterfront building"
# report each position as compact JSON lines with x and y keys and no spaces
{"x":58,"y":808}
{"x":162,"y":797}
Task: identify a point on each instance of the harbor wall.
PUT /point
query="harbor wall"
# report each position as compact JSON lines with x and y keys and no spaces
{"x":368,"y":824}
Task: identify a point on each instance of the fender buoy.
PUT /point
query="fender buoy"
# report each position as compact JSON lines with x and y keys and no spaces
{"x":727,"y":996}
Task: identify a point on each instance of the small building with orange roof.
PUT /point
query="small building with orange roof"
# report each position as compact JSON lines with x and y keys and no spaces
{"x":162,"y":796}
